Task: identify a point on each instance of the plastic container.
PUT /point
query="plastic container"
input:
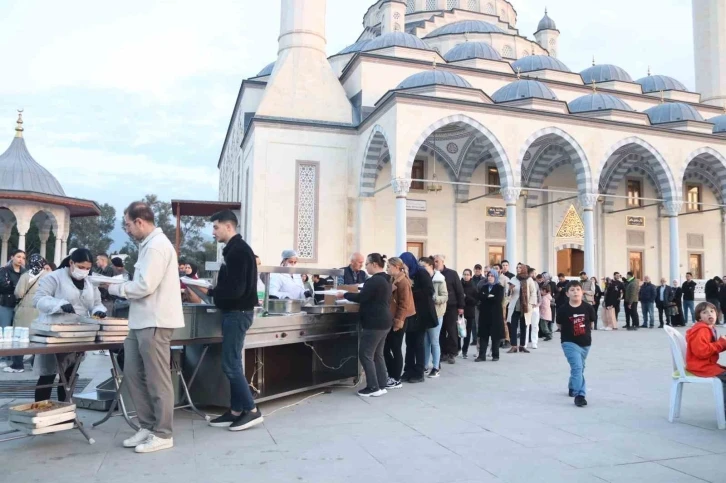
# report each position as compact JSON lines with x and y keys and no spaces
{"x":8,"y":334}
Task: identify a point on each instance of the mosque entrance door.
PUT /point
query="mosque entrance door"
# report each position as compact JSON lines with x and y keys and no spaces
{"x":571,"y":262}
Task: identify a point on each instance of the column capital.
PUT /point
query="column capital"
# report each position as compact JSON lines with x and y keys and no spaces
{"x":401,"y":187}
{"x":588,"y":201}
{"x":511,"y":195}
{"x":672,"y":208}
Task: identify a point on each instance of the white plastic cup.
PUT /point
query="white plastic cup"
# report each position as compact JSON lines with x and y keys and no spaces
{"x":8,"y":334}
{"x":24,"y":335}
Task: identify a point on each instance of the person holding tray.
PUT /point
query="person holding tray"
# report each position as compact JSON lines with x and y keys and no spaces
{"x":60,"y":295}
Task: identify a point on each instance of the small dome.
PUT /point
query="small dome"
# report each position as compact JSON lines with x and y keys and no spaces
{"x":466,"y":27}
{"x":472,"y":50}
{"x":546,"y":23}
{"x":719,"y":124}
{"x":431,"y":77}
{"x":531,"y":63}
{"x":395,"y":39}
{"x":672,"y":112}
{"x":523,"y":89}
{"x":20,"y":172}
{"x":267,"y":70}
{"x":356,"y":47}
{"x":657,"y":83}
{"x":597,"y":102}
{"x":604,"y":73}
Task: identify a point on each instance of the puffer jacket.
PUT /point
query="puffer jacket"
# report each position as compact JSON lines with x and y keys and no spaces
{"x":441,"y":294}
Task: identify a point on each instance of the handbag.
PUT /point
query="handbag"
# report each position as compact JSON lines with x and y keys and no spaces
{"x":672,"y":311}
{"x":461,"y":325}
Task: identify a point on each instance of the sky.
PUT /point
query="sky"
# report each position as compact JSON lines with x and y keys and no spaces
{"x":127,"y":98}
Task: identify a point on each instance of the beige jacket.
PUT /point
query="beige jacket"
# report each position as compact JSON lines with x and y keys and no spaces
{"x":153,"y":295}
{"x":441,"y":294}
{"x":25,"y":312}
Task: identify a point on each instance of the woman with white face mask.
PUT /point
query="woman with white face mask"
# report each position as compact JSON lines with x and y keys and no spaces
{"x":61,"y":296}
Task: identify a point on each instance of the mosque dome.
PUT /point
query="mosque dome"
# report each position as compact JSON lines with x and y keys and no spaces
{"x":20,"y":172}
{"x":672,"y":112}
{"x":466,"y":27}
{"x":657,"y":83}
{"x":431,"y":77}
{"x":604,"y":73}
{"x":597,"y":102}
{"x":719,"y":124}
{"x":267,"y":70}
{"x":546,"y":23}
{"x":395,"y":39}
{"x":531,"y":63}
{"x":523,"y":89}
{"x":356,"y":47}
{"x":472,"y":50}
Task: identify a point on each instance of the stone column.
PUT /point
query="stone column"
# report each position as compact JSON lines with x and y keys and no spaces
{"x":21,"y":241}
{"x":672,"y":209}
{"x":44,"y":235}
{"x":511,"y":196}
{"x":57,"y":256}
{"x":588,"y":201}
{"x":723,"y":240}
{"x":401,"y":188}
{"x":64,"y":248}
{"x":6,"y":239}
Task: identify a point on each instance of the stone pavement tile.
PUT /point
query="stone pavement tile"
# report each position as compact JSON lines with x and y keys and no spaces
{"x":643,"y":473}
{"x":387,"y":450}
{"x":444,"y":425}
{"x":589,"y":455}
{"x":709,"y":468}
{"x":528,"y":466}
{"x":650,"y":447}
{"x":207,"y":435}
{"x":597,"y":431}
{"x":532,"y":434}
{"x":39,"y":465}
{"x":711,"y":440}
{"x":211,"y":457}
{"x":441,"y":468}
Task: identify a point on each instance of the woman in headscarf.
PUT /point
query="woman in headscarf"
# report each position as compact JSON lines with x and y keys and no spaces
{"x":25,"y":313}
{"x":288,"y":286}
{"x":491,"y":318}
{"x":417,"y":325}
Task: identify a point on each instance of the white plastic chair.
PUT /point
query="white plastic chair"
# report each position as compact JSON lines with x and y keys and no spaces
{"x":680,"y":377}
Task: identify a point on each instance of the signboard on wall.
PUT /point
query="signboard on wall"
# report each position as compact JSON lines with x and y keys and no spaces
{"x":496,"y":212}
{"x":635,"y":220}
{"x":416,"y":205}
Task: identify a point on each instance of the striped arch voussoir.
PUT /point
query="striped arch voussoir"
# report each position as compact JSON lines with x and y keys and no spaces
{"x":377,"y":144}
{"x":717,"y":162}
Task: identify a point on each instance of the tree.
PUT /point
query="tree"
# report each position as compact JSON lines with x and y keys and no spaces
{"x":93,"y":232}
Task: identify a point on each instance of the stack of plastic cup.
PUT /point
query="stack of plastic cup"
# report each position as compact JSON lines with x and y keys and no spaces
{"x":7,"y":336}
{"x":24,"y":335}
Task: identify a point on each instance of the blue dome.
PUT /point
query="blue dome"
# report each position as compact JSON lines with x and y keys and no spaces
{"x":472,"y":50}
{"x":672,"y":112}
{"x":356,"y":47}
{"x":395,"y":39}
{"x":523,"y":89}
{"x":267,"y":70}
{"x":657,"y":83}
{"x":431,"y":77}
{"x":466,"y":27}
{"x":597,"y":102}
{"x":546,"y":23}
{"x":604,"y":73}
{"x":531,"y":63}
{"x":719,"y":124}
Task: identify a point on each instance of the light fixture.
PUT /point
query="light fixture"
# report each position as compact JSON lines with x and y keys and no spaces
{"x":434,"y":186}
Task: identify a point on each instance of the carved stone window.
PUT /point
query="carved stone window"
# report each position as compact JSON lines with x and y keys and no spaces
{"x":490,"y":9}
{"x":496,"y":230}
{"x":473,"y":5}
{"x":635,"y":238}
{"x":306,"y":220}
{"x":451,"y":4}
{"x":430,"y":4}
{"x":508,"y":51}
{"x":695,"y":240}
{"x":572,"y":226}
{"x":410,"y":6}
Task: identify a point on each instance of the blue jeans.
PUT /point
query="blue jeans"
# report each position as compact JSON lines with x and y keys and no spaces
{"x":7,"y":314}
{"x":689,"y":306}
{"x":648,"y":313}
{"x":576,"y":357}
{"x":432,"y":347}
{"x":234,"y":329}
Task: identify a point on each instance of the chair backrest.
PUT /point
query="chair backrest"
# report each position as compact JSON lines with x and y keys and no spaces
{"x":678,"y":350}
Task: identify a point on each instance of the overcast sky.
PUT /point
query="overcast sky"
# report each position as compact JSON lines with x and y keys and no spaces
{"x":127,"y":98}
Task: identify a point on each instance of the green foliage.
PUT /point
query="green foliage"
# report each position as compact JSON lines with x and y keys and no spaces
{"x":93,"y":232}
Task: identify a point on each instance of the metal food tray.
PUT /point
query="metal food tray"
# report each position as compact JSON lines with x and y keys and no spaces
{"x":108,"y":321}
{"x":42,"y":421}
{"x":110,"y":338}
{"x":114,"y":328}
{"x":50,"y":429}
{"x":42,"y":408}
{"x":73,"y":334}
{"x":60,"y":340}
{"x":70,"y":327}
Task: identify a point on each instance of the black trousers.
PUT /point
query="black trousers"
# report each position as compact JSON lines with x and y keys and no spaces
{"x":596,"y":306}
{"x":43,"y":394}
{"x":631,"y":315}
{"x":393,"y":354}
{"x":449,"y":337}
{"x":485,"y":333}
{"x":415,"y":354}
{"x":518,"y":323}
{"x":468,"y":339}
{"x":617,"y":311}
{"x":661,"y":312}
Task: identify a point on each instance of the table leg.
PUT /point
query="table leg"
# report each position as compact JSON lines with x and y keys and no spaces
{"x":70,"y":386}
{"x":118,"y":401}
{"x":186,"y":387}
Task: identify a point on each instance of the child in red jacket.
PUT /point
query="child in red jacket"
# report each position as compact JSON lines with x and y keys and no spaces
{"x":704,"y":345}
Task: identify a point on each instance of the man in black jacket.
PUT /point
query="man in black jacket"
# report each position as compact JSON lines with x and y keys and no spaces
{"x":689,"y":296}
{"x":711,"y":291}
{"x":449,"y":338}
{"x":236,"y":295}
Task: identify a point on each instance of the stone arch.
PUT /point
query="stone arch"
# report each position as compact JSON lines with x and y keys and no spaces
{"x":566,"y":246}
{"x":373,"y":159}
{"x":632,"y":153}
{"x":48,"y":219}
{"x":546,"y":150}
{"x":708,"y":167}
{"x":482,"y":143}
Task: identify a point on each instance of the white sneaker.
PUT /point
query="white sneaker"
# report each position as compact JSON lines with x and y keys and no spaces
{"x":608,"y":328}
{"x":12,"y":371}
{"x":155,"y":443}
{"x":141,"y":436}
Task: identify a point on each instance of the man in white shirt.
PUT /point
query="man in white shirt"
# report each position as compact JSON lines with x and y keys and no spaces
{"x":155,"y":311}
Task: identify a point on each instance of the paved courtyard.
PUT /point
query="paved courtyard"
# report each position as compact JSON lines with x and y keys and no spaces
{"x":509,"y":421}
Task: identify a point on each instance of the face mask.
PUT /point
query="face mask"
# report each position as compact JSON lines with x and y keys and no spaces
{"x":79,"y":274}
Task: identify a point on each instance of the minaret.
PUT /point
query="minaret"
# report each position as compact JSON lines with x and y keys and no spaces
{"x":394,"y":16}
{"x":302,"y":84}
{"x":709,"y":42}
{"x":547,"y":35}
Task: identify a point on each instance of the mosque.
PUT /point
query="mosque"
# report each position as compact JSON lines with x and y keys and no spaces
{"x":443,"y":129}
